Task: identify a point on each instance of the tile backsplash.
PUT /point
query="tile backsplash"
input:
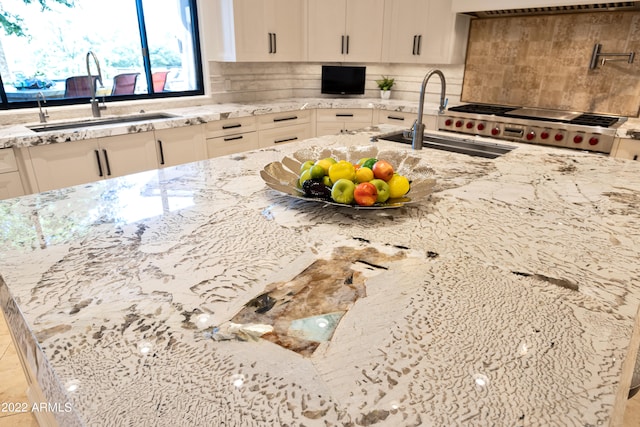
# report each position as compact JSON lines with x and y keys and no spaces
{"x":543,"y":61}
{"x":252,"y":81}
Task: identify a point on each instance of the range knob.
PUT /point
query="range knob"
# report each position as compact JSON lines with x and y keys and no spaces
{"x":459,"y":124}
{"x":481,"y":126}
{"x":559,"y":137}
{"x":578,"y":139}
{"x":469,"y":125}
{"x":531,"y":135}
{"x":495,"y":131}
{"x":448,"y":122}
{"x":544,"y":134}
{"x":593,"y":140}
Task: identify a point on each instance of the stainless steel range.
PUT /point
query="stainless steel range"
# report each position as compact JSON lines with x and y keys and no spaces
{"x":581,"y":131}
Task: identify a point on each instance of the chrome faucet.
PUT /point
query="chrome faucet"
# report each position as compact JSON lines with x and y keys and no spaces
{"x":95,"y":104}
{"x":43,"y":115}
{"x":418,"y":126}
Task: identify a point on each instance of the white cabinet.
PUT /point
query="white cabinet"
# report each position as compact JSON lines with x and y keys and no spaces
{"x":231,"y":136}
{"x":338,"y":120}
{"x":341,"y":30}
{"x":256,"y":30}
{"x":10,"y":181}
{"x":424,"y":31}
{"x":403,"y":119}
{"x":72,"y":163}
{"x":180,"y":145}
{"x":280,"y":128}
{"x":624,"y":148}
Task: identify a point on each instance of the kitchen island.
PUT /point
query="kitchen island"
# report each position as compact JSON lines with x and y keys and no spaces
{"x":509,"y":296}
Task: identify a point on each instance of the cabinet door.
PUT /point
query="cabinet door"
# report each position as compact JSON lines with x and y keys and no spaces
{"x":364,"y":20}
{"x":63,"y":165}
{"x":329,"y":128}
{"x":180,"y":145}
{"x":326,"y":29}
{"x":251,"y":19}
{"x":126,"y":154}
{"x":10,"y":185}
{"x":287,"y":25}
{"x":445,"y":35}
{"x":403,"y":30}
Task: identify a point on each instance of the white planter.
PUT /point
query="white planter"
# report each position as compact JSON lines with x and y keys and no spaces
{"x":385,"y":94}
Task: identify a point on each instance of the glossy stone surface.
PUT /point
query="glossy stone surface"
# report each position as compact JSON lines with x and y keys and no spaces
{"x":509,"y":295}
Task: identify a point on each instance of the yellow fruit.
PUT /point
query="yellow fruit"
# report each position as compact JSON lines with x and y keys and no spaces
{"x":342,"y":170}
{"x":364,"y":175}
{"x":326,"y":164}
{"x":398,"y":186}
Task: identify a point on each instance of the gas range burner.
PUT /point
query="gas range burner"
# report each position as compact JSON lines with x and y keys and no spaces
{"x":566,"y":129}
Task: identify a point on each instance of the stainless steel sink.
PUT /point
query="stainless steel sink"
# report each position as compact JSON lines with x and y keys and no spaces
{"x":81,"y":124}
{"x":470,"y":147}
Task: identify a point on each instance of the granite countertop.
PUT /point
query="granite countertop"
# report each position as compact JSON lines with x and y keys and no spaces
{"x":19,"y":135}
{"x":509,"y":296}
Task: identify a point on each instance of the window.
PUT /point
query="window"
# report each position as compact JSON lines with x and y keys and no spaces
{"x":145,"y":49}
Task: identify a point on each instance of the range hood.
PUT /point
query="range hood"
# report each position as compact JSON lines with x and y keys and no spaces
{"x":549,"y":10}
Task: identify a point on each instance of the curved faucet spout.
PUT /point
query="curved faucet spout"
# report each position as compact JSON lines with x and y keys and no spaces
{"x":418,"y":127}
{"x":95,"y":108}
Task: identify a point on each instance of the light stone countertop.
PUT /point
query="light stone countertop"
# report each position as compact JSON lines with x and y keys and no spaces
{"x":19,"y":135}
{"x":507,"y":297}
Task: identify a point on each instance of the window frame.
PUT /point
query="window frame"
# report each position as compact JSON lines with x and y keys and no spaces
{"x":5,"y":105}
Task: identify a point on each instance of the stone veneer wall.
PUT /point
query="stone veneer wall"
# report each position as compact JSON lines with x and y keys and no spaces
{"x":543,"y":61}
{"x":248,"y":82}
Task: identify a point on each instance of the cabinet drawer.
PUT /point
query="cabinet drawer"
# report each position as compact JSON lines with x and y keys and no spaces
{"x":230,"y":126}
{"x":396,"y":118}
{"x":284,"y":135}
{"x":7,"y":160}
{"x":225,"y":145}
{"x":289,"y":118}
{"x":345,"y":115}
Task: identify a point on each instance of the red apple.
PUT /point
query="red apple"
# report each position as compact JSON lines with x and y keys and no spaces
{"x":382,"y":170}
{"x":365,"y":194}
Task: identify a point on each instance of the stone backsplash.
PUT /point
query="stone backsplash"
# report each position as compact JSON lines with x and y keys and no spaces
{"x":543,"y":61}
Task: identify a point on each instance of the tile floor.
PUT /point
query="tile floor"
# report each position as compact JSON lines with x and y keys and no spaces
{"x":13,"y":386}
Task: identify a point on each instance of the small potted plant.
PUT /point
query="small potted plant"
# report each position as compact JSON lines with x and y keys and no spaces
{"x":385,"y":84}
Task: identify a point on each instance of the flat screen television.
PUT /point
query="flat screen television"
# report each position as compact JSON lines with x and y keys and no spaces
{"x":346,"y":80}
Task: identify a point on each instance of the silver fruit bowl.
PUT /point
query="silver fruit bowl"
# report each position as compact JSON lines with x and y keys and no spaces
{"x":283,"y":176}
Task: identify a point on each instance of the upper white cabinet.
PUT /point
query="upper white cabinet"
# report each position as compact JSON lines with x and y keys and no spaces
{"x":255,"y":30}
{"x":424,"y":32}
{"x":345,"y":30}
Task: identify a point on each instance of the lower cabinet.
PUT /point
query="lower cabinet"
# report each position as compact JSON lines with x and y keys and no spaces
{"x":337,"y":120}
{"x":10,"y":181}
{"x":72,"y":163}
{"x":624,"y":148}
{"x":180,"y":145}
{"x":229,"y":136}
{"x":281,"y":128}
{"x":401,"y":118}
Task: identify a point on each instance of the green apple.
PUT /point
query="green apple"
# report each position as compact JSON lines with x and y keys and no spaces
{"x":306,"y":165}
{"x":342,"y":191}
{"x":383,"y":190}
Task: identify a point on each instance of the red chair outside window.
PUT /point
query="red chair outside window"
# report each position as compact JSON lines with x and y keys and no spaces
{"x":124,"y":84}
{"x":159,"y":79}
{"x":78,"y":86}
